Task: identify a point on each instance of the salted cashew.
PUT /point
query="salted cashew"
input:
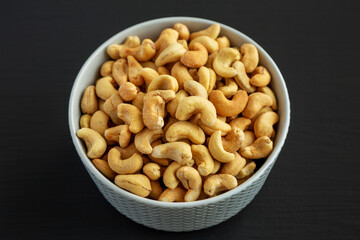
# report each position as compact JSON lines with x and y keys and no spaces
{"x":106,"y":68}
{"x":223,"y":42}
{"x":250,"y":57}
{"x":144,"y":139}
{"x":95,"y":143}
{"x":120,"y":71}
{"x":195,"y":88}
{"x":152,"y":171}
{"x":142,"y":53}
{"x":218,"y":125}
{"x":128,"y":151}
{"x":167,"y":37}
{"x":263,"y":125}
{"x":203,"y":159}
{"x":177,"y":151}
{"x":156,"y":189}
{"x":218,"y":183}
{"x":163,"y":82}
{"x":173,"y":195}
{"x":209,"y":43}
{"x":99,"y":122}
{"x":226,"y":107}
{"x":89,"y":102}
{"x":212,"y":31}
{"x":149,"y":64}
{"x":230,"y":88}
{"x":249,"y":138}
{"x":138,"y":184}
{"x":185,"y":130}
{"x":105,"y":87}
{"x":241,"y":123}
{"x":232,"y":141}
{"x":261,"y":148}
{"x":247,"y":170}
{"x":196,"y":56}
{"x":120,"y":134}
{"x":104,"y":168}
{"x":110,"y":108}
{"x":128,"y":91}
{"x":172,"y":106}
{"x":193,"y":105}
{"x":114,"y":49}
{"x":134,"y":67}
{"x":160,"y":161}
{"x":169,"y":178}
{"x":223,"y":61}
{"x":85,"y":121}
{"x":124,"y":166}
{"x":255,"y":103}
{"x":207,"y":78}
{"x":183,"y":31}
{"x":217,"y":150}
{"x":271,"y":94}
{"x":138,"y":101}
{"x":170,"y":54}
{"x":181,"y":73}
{"x":184,"y":43}
{"x":148,"y":74}
{"x":132,"y":116}
{"x":234,"y":167}
{"x":191,"y":180}
{"x":260,"y":77}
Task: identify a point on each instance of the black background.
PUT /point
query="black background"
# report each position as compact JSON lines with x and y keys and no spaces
{"x":313,"y":190}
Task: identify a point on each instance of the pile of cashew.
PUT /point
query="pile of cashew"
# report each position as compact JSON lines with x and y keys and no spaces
{"x":180,"y":118}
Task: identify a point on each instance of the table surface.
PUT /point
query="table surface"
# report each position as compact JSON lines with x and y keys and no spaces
{"x":313,"y":191}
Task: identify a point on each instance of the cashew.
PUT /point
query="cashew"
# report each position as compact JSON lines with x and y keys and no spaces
{"x":89,"y":103}
{"x":173,"y":195}
{"x":263,"y":125}
{"x":170,"y":54}
{"x":85,"y":121}
{"x":114,"y":49}
{"x":196,"y":56}
{"x":212,"y":31}
{"x":104,"y":168}
{"x":163,"y":82}
{"x":232,"y":141}
{"x":217,"y":166}
{"x":142,"y":53}
{"x":248,"y":140}
{"x":255,"y":103}
{"x":209,"y":63}
{"x":223,"y":42}
{"x":99,"y":122}
{"x":167,"y":37}
{"x":124,"y":166}
{"x":271,"y":94}
{"x":120,"y":71}
{"x":173,"y":104}
{"x":138,"y":184}
{"x":149,"y":64}
{"x":144,"y":139}
{"x":261,"y":148}
{"x":223,"y":60}
{"x":218,"y":183}
{"x":240,"y":123}
{"x":163,"y":70}
{"x":106,"y":68}
{"x":110,"y":108}
{"x":120,"y":134}
{"x":95,"y":143}
{"x":247,"y":170}
{"x":160,"y":161}
{"x":250,"y":57}
{"x":194,"y":104}
{"x":128,"y":91}
{"x":191,"y":180}
{"x":203,"y":159}
{"x":105,"y":88}
{"x":156,"y":189}
{"x":128,"y":151}
{"x":218,"y":125}
{"x":225,"y":107}
{"x":230,"y":88}
{"x":181,"y":73}
{"x":185,"y":130}
{"x":260,"y":77}
{"x":209,"y":43}
{"x":184,"y":44}
{"x":177,"y":151}
{"x":207,"y":78}
{"x":131,"y":115}
{"x":195,"y":89}
{"x":234,"y":167}
{"x":134,"y":67}
{"x":152,"y":171}
{"x":182,"y":30}
{"x":169,"y":178}
{"x":138,"y":101}
{"x":148,"y":74}
{"x":217,"y":150}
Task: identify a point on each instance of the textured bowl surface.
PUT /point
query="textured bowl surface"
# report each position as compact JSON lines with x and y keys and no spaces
{"x":178,"y":216}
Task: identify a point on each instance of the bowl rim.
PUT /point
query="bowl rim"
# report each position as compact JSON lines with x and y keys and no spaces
{"x":90,"y":167}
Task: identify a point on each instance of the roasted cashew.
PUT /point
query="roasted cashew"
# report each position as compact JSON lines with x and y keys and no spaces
{"x":250,"y":57}
{"x":85,"y":121}
{"x":169,"y":178}
{"x":142,"y":53}
{"x":144,"y":139}
{"x":163,"y":82}
{"x":160,"y":161}
{"x":184,"y":43}
{"x":191,"y":180}
{"x":177,"y":151}
{"x":185,"y":130}
{"x":196,"y":56}
{"x":138,"y":184}
{"x":241,"y":123}
{"x":195,"y":88}
{"x":207,"y":78}
{"x":203,"y":159}
{"x":261,"y":148}
{"x":167,"y":37}
{"x":124,"y":166}
{"x":232,"y":141}
{"x":223,"y":60}
{"x":230,"y":88}
{"x":247,"y":170}
{"x":263,"y":125}
{"x":226,"y":107}
{"x":134,"y":67}
{"x":271,"y":94}
{"x":181,"y":73}
{"x":218,"y":183}
{"x":248,"y":140}
{"x":95,"y":143}
{"x":104,"y":168}
{"x":156,"y":189}
{"x":120,"y":71}
{"x":128,"y":91}
{"x":148,"y":75}
{"x":105,"y":87}
{"x":209,"y":43}
{"x":234,"y":167}
{"x":217,"y":150}
{"x":217,"y":166}
{"x":173,"y":195}
{"x":106,"y":68}
{"x":218,"y":125}
{"x":89,"y":102}
{"x":183,"y":31}
{"x":223,"y":42}
{"x":260,"y":77}
{"x":173,"y":104}
{"x":255,"y":103}
{"x":128,"y":151}
{"x":138,"y":101}
{"x":99,"y":122}
{"x":114,"y":49}
{"x":170,"y":54}
{"x":132,"y":116}
{"x":149,"y":64}
{"x":110,"y":108}
{"x":212,"y":31}
{"x":120,"y":134}
{"x":152,"y":171}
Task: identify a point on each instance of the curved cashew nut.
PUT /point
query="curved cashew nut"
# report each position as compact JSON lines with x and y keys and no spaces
{"x":226,"y":107}
{"x":173,"y":195}
{"x":217,"y":166}
{"x":99,"y":122}
{"x":261,"y":148}
{"x":110,"y":108}
{"x":138,"y":184}
{"x":203,"y":159}
{"x":104,"y":168}
{"x":255,"y":103}
{"x":194,"y":104}
{"x":247,"y":170}
{"x":170,"y":54}
{"x":212,"y":31}
{"x":144,"y":139}
{"x":263,"y":125}
{"x":223,"y":42}
{"x":230,"y":88}
{"x":128,"y":151}
{"x":120,"y":134}
{"x":260,"y":77}
{"x":152,"y":171}
{"x":134,"y":67}
{"x":195,"y":88}
{"x":131,"y":115}
{"x":209,"y":43}
{"x":185,"y":130}
{"x":196,"y":57}
{"x":163,"y":82}
{"x":217,"y":150}
{"x":191,"y":180}
{"x":106,"y":68}
{"x":114,"y":49}
{"x":249,"y":138}
{"x":138,"y":101}
{"x":173,"y":104}
{"x":89,"y":103}
{"x":105,"y":87}
{"x":160,"y":161}
{"x":169,"y":178}
{"x":167,"y":37}
{"x":181,"y":73}
{"x":120,"y":71}
{"x":232,"y":142}
{"x":95,"y":143}
{"x":156,"y":189}
{"x":218,"y":183}
{"x":234,"y":167}
{"x":128,"y":91}
{"x":223,"y":60}
{"x":241,"y":123}
{"x":271,"y":94}
{"x":148,"y":74}
{"x":124,"y":166}
{"x":142,"y":53}
{"x":250,"y":57}
{"x":177,"y":151}
{"x":218,"y":125}
{"x":85,"y":121}
{"x":183,"y":31}
{"x":206,"y":79}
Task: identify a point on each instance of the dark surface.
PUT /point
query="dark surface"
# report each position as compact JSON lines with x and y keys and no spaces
{"x":313,"y":191}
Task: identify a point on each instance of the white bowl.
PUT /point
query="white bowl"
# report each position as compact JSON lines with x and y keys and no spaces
{"x":178,"y":216}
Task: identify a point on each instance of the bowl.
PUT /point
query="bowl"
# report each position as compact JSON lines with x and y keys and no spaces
{"x":187,"y":216}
